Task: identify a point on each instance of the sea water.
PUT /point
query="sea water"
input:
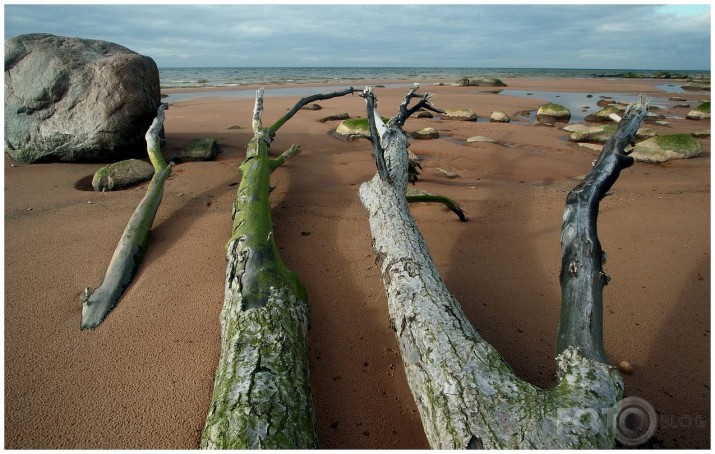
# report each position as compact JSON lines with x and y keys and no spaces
{"x":276,"y":76}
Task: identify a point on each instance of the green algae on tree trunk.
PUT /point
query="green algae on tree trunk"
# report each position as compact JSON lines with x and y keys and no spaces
{"x":132,"y":246}
{"x":261,"y":397}
{"x":467,"y":395}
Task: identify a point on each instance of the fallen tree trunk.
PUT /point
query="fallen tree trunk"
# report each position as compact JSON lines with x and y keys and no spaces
{"x":467,"y":395}
{"x":132,"y":246}
{"x":261,"y":397}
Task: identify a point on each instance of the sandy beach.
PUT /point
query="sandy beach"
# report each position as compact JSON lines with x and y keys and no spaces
{"x":143,"y":379}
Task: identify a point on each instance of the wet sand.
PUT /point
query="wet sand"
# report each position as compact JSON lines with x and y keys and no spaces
{"x":144,"y":378}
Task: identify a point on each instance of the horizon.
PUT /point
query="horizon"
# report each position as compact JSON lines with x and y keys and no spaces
{"x":439,"y":67}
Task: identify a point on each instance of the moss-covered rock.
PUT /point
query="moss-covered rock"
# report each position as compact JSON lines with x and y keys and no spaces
{"x":354,"y":128}
{"x":122,"y":175}
{"x":202,"y":149}
{"x":668,"y":147}
{"x":595,"y":134}
{"x":700,"y":113}
{"x":553,"y":112}
{"x":600,"y":134}
{"x":604,"y":115}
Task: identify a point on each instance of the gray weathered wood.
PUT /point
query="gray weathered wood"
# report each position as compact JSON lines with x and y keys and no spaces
{"x":582,"y":276}
{"x":466,"y":394}
{"x":132,"y":246}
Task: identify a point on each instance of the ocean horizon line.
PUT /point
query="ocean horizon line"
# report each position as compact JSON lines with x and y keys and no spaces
{"x":236,"y":76}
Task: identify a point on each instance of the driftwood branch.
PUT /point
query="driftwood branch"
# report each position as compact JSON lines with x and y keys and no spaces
{"x":582,"y":276}
{"x":132,"y":246}
{"x":467,"y":395}
{"x":305,"y":101}
{"x":423,"y":196}
{"x":425,"y":102}
{"x":261,"y":397}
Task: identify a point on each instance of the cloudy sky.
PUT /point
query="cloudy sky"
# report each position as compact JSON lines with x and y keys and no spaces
{"x":603,"y":36}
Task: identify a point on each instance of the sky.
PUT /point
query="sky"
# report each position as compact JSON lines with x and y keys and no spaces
{"x":601,"y":36}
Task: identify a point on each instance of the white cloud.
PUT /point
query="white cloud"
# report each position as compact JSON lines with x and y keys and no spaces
{"x":388,"y":34}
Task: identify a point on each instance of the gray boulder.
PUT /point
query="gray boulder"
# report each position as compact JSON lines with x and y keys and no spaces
{"x":72,"y":99}
{"x":197,"y":150}
{"x":122,"y":175}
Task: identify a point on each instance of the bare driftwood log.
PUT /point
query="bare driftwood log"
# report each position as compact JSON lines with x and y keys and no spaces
{"x":261,"y":397}
{"x":467,"y":395}
{"x":130,"y":251}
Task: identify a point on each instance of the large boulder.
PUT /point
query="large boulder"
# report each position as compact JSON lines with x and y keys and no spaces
{"x":664,"y":148}
{"x":72,"y":99}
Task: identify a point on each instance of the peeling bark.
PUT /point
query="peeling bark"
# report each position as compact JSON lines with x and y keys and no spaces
{"x":261,"y":397}
{"x":466,"y":394}
{"x":132,"y":246}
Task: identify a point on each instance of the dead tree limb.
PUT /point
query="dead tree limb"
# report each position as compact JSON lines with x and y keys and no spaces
{"x":467,"y":395}
{"x":261,"y":397}
{"x":424,"y":196}
{"x":132,"y":246}
{"x":582,"y":259}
